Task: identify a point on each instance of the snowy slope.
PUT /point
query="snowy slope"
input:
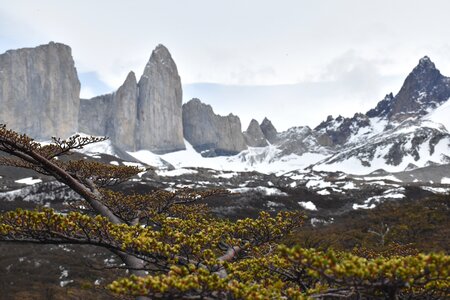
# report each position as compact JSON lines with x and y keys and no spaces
{"x":411,"y":143}
{"x":441,"y":115}
{"x":264,"y":160}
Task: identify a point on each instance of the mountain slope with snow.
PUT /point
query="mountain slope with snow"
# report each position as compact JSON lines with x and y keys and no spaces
{"x":403,"y":132}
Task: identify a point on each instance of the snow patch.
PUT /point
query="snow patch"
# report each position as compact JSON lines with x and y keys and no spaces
{"x":389,"y":177}
{"x":307,"y":205}
{"x":226,"y":175}
{"x":445,"y":180}
{"x":437,"y":190}
{"x":148,"y":158}
{"x":176,"y":172}
{"x":323,"y":192}
{"x":441,"y":115}
{"x":28,"y":181}
{"x":104,"y":147}
{"x":395,"y":193}
{"x":261,"y":189}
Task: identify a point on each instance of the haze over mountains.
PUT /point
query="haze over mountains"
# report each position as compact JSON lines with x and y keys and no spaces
{"x":39,"y":94}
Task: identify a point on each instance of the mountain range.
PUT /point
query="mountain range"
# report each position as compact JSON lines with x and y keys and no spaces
{"x":405,"y":131}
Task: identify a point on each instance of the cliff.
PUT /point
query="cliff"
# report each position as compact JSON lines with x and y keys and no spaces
{"x":211,"y":134}
{"x":39,"y":91}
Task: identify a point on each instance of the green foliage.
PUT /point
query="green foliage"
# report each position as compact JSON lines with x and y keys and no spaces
{"x":420,"y":225}
{"x":299,"y":273}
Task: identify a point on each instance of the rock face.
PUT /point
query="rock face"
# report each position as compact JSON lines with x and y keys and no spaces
{"x":113,"y":115}
{"x":338,"y":131}
{"x":425,"y":88}
{"x":159,"y":126}
{"x":39,"y":91}
{"x":254,"y":137}
{"x":145,"y":115}
{"x":125,"y":113}
{"x":211,"y":134}
{"x":269,"y":130}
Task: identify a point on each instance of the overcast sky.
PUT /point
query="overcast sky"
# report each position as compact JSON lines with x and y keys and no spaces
{"x":293,"y":61}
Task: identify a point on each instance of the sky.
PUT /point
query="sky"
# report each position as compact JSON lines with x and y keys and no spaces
{"x":295,"y":61}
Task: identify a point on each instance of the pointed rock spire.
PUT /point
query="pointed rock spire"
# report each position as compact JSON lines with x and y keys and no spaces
{"x":254,"y":137}
{"x":160,"y":127}
{"x":125,"y":113}
{"x":424,"y":88}
{"x":269,"y":130}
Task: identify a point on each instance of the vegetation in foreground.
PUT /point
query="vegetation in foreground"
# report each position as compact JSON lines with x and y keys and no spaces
{"x":174,"y":248}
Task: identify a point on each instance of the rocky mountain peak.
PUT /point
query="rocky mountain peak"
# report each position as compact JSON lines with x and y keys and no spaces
{"x":383,"y":107}
{"x":253,"y":125}
{"x":162,"y":58}
{"x":424,"y":89}
{"x":45,"y":82}
{"x":159,"y":111}
{"x":254,"y":137}
{"x":211,"y":134}
{"x":130,"y":80}
{"x":269,"y":130}
{"x":424,"y":73}
{"x":144,"y":115}
{"x":426,"y":63}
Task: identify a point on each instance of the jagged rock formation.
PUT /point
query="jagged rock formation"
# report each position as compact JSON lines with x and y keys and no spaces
{"x":412,"y":143}
{"x":269,"y":130}
{"x":299,"y":140}
{"x":394,"y":133}
{"x":145,"y":115}
{"x":425,"y":88}
{"x":39,"y":91}
{"x":39,"y":94}
{"x":124,"y":117}
{"x":338,"y":131}
{"x":113,"y":115}
{"x":160,"y":127}
{"x":211,"y":134}
{"x":383,"y":107}
{"x":254,"y":137}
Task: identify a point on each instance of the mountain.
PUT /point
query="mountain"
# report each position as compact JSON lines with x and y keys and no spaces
{"x":399,"y":133}
{"x":159,"y":119}
{"x":39,"y":91}
{"x":269,"y":131}
{"x":254,"y":136}
{"x":211,"y":134}
{"x":113,"y":115}
{"x":141,"y":115}
{"x":404,"y":131}
{"x":424,"y":89}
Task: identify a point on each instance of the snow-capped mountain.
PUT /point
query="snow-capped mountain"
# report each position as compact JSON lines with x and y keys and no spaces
{"x":403,"y":132}
{"x":412,"y":143}
{"x":424,"y":89}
